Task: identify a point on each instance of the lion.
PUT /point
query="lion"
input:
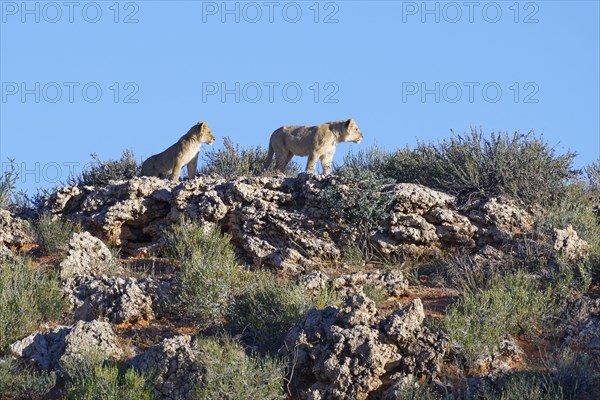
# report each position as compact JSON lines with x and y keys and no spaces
{"x":168,"y":164}
{"x":316,"y":142}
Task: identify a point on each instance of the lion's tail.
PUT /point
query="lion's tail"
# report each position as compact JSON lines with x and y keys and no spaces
{"x":269,"y":158}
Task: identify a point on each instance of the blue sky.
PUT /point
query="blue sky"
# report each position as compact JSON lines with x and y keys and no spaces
{"x":104,"y":76}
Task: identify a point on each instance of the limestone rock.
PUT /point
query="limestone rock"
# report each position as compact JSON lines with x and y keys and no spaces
{"x":348,"y":350}
{"x":173,"y":366}
{"x":48,"y":349}
{"x":87,"y":255}
{"x":115,"y":298}
{"x":14,"y":231}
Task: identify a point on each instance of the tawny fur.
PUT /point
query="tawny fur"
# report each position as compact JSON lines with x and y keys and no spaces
{"x":316,"y":142}
{"x":168,"y":164}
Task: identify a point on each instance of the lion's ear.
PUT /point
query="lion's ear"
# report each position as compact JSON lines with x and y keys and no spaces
{"x":348,"y":123}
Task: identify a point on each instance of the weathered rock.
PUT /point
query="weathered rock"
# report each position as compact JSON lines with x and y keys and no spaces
{"x":14,"y":231}
{"x":49,"y":348}
{"x":282,"y":222}
{"x":584,"y":333}
{"x":347,"y":351}
{"x":314,"y":281}
{"x":501,"y":360}
{"x":115,"y":298}
{"x":568,"y":243}
{"x":393,"y":282}
{"x":5,"y":252}
{"x":173,"y":367}
{"x":87,"y":255}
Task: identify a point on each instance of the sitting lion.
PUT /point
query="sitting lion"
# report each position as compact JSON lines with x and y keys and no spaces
{"x":316,"y":142}
{"x":168,"y":164}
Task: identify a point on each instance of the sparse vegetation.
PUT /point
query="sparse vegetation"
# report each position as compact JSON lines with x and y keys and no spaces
{"x":265,"y":309}
{"x":361,"y":197}
{"x":92,"y":377}
{"x":27,"y":297}
{"x":100,"y":173}
{"x":232,"y":161}
{"x":415,"y":391}
{"x":567,"y":377}
{"x":475,"y":165}
{"x":479,"y":321}
{"x":52,"y":233}
{"x":8,"y":180}
{"x":20,"y":382}
{"x":231,"y":374}
{"x":209,"y":270}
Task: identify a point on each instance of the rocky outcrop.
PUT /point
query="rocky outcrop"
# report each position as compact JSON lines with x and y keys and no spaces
{"x":393,"y":283}
{"x":114,"y":298}
{"x":172,"y":366}
{"x":14,"y":231}
{"x":584,"y":332}
{"x":347,"y":351}
{"x":47,"y":349}
{"x":568,"y":244}
{"x":87,"y":255}
{"x":282,"y":222}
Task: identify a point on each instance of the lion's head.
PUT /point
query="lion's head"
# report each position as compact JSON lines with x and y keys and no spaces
{"x":203,"y":134}
{"x":351,"y":132}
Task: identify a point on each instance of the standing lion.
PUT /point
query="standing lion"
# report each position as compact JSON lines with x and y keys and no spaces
{"x":168,"y":164}
{"x":316,"y":142}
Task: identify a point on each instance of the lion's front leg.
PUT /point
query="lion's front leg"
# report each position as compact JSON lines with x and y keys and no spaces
{"x":191,"y":166}
{"x":326,"y":161}
{"x":311,"y":164}
{"x":176,"y":171}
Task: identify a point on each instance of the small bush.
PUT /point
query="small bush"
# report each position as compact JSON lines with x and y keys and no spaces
{"x":231,"y":161}
{"x":27,"y":297}
{"x":479,"y":320}
{"x":18,"y":381}
{"x":92,"y":377}
{"x":209,"y":270}
{"x":567,"y":377}
{"x":522,"y":166}
{"x":266,"y":309}
{"x":228,"y":373}
{"x":578,"y":210}
{"x":373,"y":159}
{"x":8,"y":181}
{"x":375,"y":293}
{"x":53,"y":234}
{"x":361,"y":201}
{"x":415,"y":391}
{"x":326,"y":297}
{"x":100,"y":173}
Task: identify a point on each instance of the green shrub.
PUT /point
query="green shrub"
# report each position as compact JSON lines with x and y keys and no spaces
{"x":231,"y":161}
{"x":18,"y":381}
{"x":53,"y":234}
{"x":92,"y":377}
{"x":326,"y":297}
{"x":27,"y":297}
{"x":228,"y":373}
{"x":577,"y":209}
{"x":375,"y":293}
{"x":8,"y":181}
{"x":209,"y":270}
{"x":567,"y":377}
{"x":373,"y":159}
{"x":100,"y":173}
{"x":479,"y":320}
{"x":522,"y":166}
{"x":415,"y":391}
{"x":361,"y":201}
{"x":265,"y":309}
